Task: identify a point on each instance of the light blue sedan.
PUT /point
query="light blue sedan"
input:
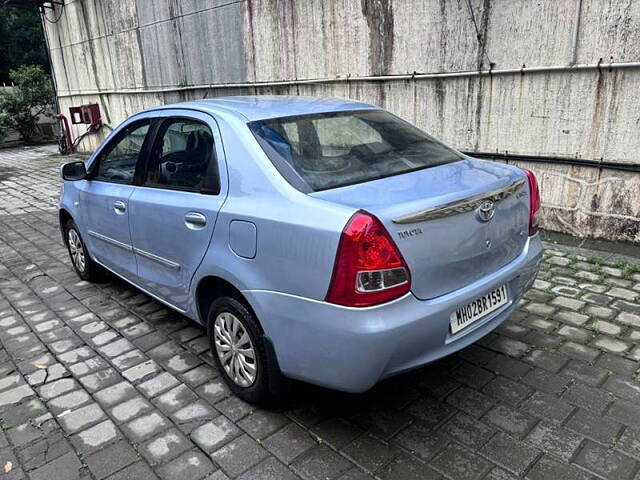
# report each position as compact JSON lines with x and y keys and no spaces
{"x":318,"y":239}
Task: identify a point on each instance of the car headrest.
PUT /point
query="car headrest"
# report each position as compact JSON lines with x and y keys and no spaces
{"x":199,"y":141}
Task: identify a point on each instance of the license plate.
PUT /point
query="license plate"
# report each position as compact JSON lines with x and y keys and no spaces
{"x":480,"y":307}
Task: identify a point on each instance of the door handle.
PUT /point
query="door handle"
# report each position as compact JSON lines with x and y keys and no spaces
{"x":120,"y":207}
{"x":195,"y":220}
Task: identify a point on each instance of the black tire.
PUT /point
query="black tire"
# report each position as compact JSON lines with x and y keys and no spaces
{"x":91,"y":272}
{"x":267,"y":374}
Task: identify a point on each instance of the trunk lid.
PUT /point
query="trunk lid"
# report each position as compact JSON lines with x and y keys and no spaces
{"x":432,"y":215}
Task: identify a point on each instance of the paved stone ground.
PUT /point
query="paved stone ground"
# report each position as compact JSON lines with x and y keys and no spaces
{"x":100,"y":381}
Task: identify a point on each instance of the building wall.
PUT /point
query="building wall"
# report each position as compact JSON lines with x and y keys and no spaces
{"x":127,"y":55}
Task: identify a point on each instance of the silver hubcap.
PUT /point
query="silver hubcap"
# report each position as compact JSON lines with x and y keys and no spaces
{"x":76,"y":250}
{"x":234,"y":349}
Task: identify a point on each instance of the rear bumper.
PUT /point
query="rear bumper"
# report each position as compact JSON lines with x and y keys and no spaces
{"x":351,"y":349}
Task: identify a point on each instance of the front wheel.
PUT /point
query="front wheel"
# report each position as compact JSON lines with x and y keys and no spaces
{"x":86,"y":268}
{"x":238,"y":348}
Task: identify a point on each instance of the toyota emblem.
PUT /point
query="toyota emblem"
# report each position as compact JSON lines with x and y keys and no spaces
{"x":486,"y":210}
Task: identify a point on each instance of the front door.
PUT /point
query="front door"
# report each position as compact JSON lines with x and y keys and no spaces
{"x":174,"y":210}
{"x":104,"y":199}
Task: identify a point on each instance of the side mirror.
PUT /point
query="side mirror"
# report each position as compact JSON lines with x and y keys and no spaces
{"x":73,"y":171}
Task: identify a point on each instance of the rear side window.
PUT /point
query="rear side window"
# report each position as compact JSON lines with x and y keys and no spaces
{"x":117,"y":162}
{"x":336,"y":149}
{"x":183,"y":156}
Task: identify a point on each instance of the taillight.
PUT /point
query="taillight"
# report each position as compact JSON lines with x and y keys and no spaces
{"x":369,"y":269}
{"x":534,"y":202}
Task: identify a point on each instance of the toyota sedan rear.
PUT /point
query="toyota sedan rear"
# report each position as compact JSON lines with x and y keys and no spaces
{"x":318,"y":239}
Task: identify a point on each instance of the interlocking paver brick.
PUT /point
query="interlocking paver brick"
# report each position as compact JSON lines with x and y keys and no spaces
{"x":621,"y":387}
{"x":158,"y":384}
{"x":546,"y":406}
{"x":114,"y":394}
{"x":82,"y":417}
{"x":510,"y":420}
{"x":603,"y":430}
{"x":94,"y":438}
{"x":260,"y":424}
{"x":288,"y":443}
{"x":510,"y":453}
{"x":129,"y":409}
{"x":190,"y":465}
{"x":554,"y":439}
{"x":612,"y":344}
{"x":215,"y":433}
{"x":320,"y":462}
{"x":552,"y":362}
{"x":35,"y":428}
{"x":143,"y":427}
{"x":88,"y":366}
{"x":460,"y":463}
{"x":66,"y":467}
{"x":268,"y":469}
{"x":587,"y":397}
{"x":43,"y":451}
{"x":214,"y":391}
{"x":68,"y":401}
{"x":129,"y":359}
{"x":506,"y":390}
{"x":141,"y":371}
{"x":625,"y":411}
{"x":100,"y":379}
{"x":571,"y":318}
{"x":585,"y":373}
{"x":562,"y":369}
{"x":467,"y":430}
{"x":137,"y":471}
{"x":165,"y":447}
{"x":234,"y":408}
{"x":549,"y":468}
{"x":605,"y":462}
{"x":174,"y":399}
{"x":111,"y":459}
{"x":470,"y":401}
{"x":579,"y":352}
{"x":239,"y":455}
{"x":339,"y":432}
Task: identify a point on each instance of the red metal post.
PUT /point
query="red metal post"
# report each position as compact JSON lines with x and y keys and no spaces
{"x":67,"y":132}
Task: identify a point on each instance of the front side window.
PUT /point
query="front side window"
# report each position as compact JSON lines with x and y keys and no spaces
{"x":118,"y":161}
{"x":183,"y":156}
{"x":332,"y":150}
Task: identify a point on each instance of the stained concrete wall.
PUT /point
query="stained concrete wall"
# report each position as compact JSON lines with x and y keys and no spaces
{"x":131,"y":54}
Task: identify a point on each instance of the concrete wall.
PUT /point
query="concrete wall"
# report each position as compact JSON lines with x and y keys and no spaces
{"x":128,"y":55}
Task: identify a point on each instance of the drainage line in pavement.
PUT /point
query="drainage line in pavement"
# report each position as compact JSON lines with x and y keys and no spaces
{"x":628,"y":167}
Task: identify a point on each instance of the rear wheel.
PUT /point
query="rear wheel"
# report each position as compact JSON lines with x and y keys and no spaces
{"x":86,"y":268}
{"x":239,"y":350}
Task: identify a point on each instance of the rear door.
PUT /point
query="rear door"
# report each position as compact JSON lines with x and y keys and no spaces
{"x":104,"y":198}
{"x":174,"y":210}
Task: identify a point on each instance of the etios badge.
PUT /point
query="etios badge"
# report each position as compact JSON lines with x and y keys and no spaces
{"x":486,"y":210}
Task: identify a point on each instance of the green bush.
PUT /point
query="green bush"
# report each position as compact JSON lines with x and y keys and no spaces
{"x":4,"y":125}
{"x":31,"y":97}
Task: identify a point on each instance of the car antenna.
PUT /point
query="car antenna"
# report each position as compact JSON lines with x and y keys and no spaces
{"x":206,"y":94}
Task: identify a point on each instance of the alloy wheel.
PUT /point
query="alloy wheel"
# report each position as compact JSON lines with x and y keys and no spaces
{"x":76,"y":250}
{"x":235,"y":349}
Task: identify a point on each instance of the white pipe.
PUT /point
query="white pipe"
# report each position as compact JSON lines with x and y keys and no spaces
{"x":377,"y":78}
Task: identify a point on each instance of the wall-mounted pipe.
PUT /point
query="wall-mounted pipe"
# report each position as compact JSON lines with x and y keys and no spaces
{"x":605,"y":165}
{"x":345,"y":79}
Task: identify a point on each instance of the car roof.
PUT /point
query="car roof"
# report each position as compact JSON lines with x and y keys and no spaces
{"x":260,"y":107}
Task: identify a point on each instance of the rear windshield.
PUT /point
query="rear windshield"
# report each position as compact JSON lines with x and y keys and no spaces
{"x":329,"y":150}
